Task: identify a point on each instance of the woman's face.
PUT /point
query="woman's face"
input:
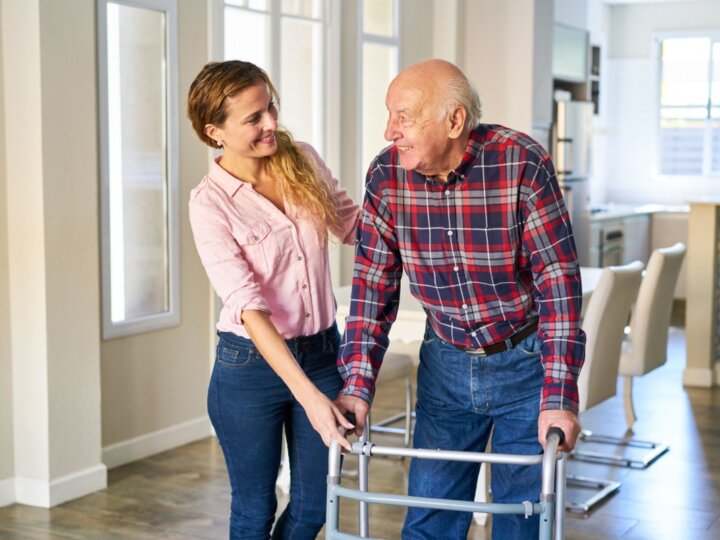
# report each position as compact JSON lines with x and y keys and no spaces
{"x":249,"y":129}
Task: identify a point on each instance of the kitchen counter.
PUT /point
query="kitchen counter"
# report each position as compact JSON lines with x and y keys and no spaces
{"x":603,"y":212}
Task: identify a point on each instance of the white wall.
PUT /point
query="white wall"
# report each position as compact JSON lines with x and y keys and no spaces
{"x":631,"y":102}
{"x":7,"y":460}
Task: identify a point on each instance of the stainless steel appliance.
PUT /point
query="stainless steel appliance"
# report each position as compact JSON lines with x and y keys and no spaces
{"x":570,"y":149}
{"x":607,"y":244}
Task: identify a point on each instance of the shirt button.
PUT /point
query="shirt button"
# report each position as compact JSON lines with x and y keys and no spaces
{"x":304,"y":285}
{"x":450,"y":233}
{"x":307,"y":315}
{"x":464,"y":306}
{"x":457,"y":269}
{"x":447,"y":193}
{"x":299,"y":258}
{"x":473,"y":334}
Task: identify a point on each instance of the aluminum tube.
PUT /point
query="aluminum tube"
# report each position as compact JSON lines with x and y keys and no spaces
{"x":440,"y":504}
{"x":448,"y":455}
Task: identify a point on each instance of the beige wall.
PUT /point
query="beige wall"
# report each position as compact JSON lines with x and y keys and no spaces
{"x":497,"y":62}
{"x":6,"y":409}
{"x":157,"y":380}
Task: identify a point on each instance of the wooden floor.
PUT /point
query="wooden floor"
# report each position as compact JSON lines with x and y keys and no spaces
{"x":183,"y":493}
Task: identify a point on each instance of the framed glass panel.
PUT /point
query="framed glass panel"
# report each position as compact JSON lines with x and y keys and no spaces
{"x":302,"y":8}
{"x":379,"y":17}
{"x":247,"y":35}
{"x":379,"y":69}
{"x":138,"y":159}
{"x":301,"y":74}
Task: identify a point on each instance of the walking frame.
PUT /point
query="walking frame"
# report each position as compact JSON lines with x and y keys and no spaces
{"x":550,"y":508}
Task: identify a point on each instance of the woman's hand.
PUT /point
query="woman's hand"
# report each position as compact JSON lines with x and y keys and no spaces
{"x":326,"y":418}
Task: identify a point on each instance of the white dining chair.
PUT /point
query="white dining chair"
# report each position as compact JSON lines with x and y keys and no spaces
{"x":643,"y":350}
{"x":604,"y":325}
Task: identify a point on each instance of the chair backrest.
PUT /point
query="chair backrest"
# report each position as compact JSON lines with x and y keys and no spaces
{"x":646,"y":347}
{"x":604,"y":323}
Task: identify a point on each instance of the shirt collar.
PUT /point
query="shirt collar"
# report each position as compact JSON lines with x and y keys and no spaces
{"x":476,"y":140}
{"x":224,"y":179}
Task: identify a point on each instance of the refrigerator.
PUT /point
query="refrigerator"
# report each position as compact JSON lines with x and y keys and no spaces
{"x":570,"y":149}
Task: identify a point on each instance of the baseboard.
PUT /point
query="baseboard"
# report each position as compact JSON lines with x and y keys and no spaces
{"x":158,"y":441}
{"x":7,"y":491}
{"x":717,"y":373}
{"x":44,"y":494}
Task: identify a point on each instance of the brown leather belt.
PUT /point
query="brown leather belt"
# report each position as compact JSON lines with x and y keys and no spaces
{"x":504,"y":345}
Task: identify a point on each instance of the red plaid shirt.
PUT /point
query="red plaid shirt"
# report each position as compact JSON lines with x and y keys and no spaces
{"x":484,"y":252}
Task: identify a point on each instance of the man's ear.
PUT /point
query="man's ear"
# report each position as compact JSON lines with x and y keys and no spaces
{"x":457,"y":122}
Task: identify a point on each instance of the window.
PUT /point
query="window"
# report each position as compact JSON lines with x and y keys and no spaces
{"x":689,"y":134}
{"x":380,"y":46}
{"x":288,"y":39}
{"x":138,"y":165}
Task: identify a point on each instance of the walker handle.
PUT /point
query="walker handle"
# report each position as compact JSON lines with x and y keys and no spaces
{"x":554,"y":430}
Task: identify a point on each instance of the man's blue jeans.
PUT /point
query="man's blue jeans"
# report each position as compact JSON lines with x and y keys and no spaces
{"x":460,"y":398}
{"x":248,"y":406}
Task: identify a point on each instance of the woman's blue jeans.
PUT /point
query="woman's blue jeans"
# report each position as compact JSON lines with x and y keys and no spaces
{"x":249,"y":405}
{"x":461,"y":397}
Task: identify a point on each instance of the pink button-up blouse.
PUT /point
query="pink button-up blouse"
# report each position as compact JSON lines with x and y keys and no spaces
{"x":258,"y":258}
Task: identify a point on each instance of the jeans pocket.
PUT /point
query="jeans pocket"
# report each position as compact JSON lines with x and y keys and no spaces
{"x":531,"y":345}
{"x":234,"y":356}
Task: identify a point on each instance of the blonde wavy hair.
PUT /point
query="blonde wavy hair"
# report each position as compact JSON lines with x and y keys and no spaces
{"x":296,"y":172}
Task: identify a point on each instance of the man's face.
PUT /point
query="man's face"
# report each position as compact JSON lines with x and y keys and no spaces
{"x":417,"y":127}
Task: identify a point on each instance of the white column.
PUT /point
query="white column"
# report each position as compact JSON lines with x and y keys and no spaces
{"x":703,"y":295}
{"x":51,"y":173}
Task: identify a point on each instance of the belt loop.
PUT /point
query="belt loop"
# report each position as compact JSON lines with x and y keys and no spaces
{"x":508,"y":343}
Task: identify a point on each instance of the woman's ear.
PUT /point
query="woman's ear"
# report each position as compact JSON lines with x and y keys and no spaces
{"x":211,"y":131}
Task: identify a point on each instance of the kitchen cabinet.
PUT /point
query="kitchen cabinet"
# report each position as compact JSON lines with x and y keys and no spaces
{"x":570,"y":53}
{"x":637,"y":238}
{"x":619,"y":239}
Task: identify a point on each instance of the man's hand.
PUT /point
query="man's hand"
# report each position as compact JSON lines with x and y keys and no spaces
{"x":359,"y":407}
{"x":565,"y":420}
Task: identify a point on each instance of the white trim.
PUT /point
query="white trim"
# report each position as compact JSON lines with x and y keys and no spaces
{"x":158,"y":441}
{"x":717,"y":373}
{"x":44,"y":494}
{"x":7,"y":492}
{"x":700,"y":377}
{"x":171,"y":317}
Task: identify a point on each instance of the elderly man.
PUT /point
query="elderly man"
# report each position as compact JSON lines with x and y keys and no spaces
{"x":473,"y":214}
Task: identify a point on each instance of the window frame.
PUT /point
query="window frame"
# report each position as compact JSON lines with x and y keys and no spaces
{"x":707,"y":173}
{"x":172,"y":316}
{"x":367,"y":38}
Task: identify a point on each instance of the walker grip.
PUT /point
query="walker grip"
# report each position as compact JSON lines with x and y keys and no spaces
{"x":554,"y":430}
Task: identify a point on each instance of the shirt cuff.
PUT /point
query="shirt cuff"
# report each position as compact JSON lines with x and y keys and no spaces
{"x":360,"y":387}
{"x":560,"y":395}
